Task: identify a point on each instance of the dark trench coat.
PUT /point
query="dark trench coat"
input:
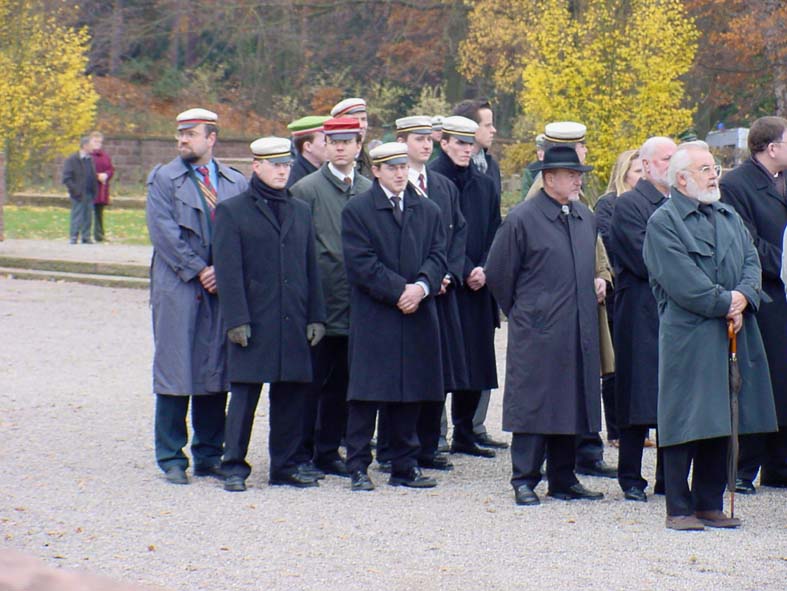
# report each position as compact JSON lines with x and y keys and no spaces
{"x":452,"y":343}
{"x":544,"y":282}
{"x":480,"y":205}
{"x":267,"y":277}
{"x":636,"y":320}
{"x":692,"y":278}
{"x":394,"y":357}
{"x":764,"y":212}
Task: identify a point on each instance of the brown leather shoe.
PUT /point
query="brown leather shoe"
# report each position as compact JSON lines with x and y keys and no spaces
{"x":717,"y":519}
{"x":684,"y":523}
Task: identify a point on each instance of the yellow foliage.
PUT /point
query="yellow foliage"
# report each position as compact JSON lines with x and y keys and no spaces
{"x":613,"y":65}
{"x":47,"y":100}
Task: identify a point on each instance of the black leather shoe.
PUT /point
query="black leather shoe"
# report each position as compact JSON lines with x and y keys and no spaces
{"x":635,"y":494}
{"x":436,"y":463}
{"x":775,"y":480}
{"x":235,"y":483}
{"x":598,"y":468}
{"x":745,"y":487}
{"x":309,"y":470}
{"x":360,"y":481}
{"x":176,"y":475}
{"x":384,"y":466}
{"x":576,"y":492}
{"x":209,"y":471}
{"x":295,"y":479}
{"x":524,"y":495}
{"x":443,"y":447}
{"x":335,"y":468}
{"x":471,"y":449}
{"x":413,"y":478}
{"x":484,"y":440}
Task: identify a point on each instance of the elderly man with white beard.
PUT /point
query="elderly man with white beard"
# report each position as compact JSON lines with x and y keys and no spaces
{"x":704,"y":272}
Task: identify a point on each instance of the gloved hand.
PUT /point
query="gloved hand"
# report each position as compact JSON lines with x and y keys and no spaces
{"x":240,"y":335}
{"x":314,"y":333}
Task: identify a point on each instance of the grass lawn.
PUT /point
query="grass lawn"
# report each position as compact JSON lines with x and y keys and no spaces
{"x":122,"y":226}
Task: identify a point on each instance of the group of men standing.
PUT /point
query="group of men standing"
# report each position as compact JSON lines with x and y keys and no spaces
{"x":364,"y":300}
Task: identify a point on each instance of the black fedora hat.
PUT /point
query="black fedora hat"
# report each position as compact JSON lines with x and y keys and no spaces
{"x":562,"y":157}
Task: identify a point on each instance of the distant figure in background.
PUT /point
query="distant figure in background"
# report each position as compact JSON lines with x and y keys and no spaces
{"x":531,"y":170}
{"x":104,"y":172}
{"x":79,"y":177}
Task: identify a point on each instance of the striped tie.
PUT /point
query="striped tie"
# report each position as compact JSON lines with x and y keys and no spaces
{"x":207,"y":188}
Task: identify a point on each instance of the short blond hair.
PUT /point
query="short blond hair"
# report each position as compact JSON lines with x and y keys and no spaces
{"x":617,"y":178}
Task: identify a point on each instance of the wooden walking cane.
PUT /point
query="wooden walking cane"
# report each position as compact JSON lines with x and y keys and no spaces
{"x":735,"y":388}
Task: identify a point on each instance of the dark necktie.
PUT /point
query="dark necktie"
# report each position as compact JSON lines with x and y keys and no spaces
{"x":348,"y":181}
{"x":422,"y":182}
{"x":397,"y":213}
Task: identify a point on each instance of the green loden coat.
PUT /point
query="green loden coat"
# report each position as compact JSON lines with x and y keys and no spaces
{"x":691,"y":280}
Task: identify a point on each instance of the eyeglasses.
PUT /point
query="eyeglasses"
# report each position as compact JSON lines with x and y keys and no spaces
{"x":706,"y":170}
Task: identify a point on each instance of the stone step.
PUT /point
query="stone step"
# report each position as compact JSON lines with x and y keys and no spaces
{"x":56,"y":200}
{"x":88,"y":278}
{"x":78,"y":267}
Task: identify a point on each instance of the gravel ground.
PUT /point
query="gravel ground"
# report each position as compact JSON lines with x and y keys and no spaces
{"x":79,"y":488}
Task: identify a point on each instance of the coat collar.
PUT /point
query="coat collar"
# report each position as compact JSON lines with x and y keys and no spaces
{"x":685,"y":206}
{"x":180,"y":168}
{"x":763,"y":180}
{"x":551,"y":208}
{"x":649,"y":191}
{"x":344,"y":188}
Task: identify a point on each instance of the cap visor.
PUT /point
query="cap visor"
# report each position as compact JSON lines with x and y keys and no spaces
{"x":343,"y":136}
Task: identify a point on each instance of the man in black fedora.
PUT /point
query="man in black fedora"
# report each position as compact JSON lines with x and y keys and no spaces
{"x":541,"y":270}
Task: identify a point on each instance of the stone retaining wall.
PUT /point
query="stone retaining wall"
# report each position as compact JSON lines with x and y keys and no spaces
{"x":2,"y":193}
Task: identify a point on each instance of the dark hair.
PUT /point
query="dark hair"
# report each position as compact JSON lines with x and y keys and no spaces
{"x":299,"y":140}
{"x":469,"y":108}
{"x":764,"y":131}
{"x":210,"y":128}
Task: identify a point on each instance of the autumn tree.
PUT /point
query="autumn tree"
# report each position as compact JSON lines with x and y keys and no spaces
{"x":741,"y":68}
{"x":614,"y":65}
{"x":47,"y":101}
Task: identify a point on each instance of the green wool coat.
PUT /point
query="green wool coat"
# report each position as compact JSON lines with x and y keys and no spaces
{"x":692,"y":279}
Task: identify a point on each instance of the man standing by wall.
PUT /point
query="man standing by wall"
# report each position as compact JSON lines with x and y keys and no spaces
{"x":79,"y":177}
{"x":541,"y":269}
{"x":189,"y":362}
{"x":104,"y":171}
{"x":757,"y":189}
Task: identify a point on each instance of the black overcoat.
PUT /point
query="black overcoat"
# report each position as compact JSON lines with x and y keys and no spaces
{"x":300,"y":168}
{"x":543,"y":275}
{"x":636,"y":320}
{"x":480,"y":204}
{"x":267,"y":277}
{"x":445,"y":194}
{"x":753,"y":195}
{"x":394,"y":357}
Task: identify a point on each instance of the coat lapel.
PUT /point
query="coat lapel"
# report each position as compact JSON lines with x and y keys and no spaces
{"x":286,"y":213}
{"x":266,"y":211}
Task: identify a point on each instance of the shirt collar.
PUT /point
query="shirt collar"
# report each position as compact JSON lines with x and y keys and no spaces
{"x":413,"y":175}
{"x":340,"y":175}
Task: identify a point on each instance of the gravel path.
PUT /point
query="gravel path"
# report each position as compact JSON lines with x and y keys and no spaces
{"x":79,"y":488}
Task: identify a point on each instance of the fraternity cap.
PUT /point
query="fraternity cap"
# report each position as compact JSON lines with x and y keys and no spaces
{"x":193,"y":117}
{"x":565,"y":132}
{"x":272,"y":149}
{"x":562,"y":157}
{"x":460,"y":127}
{"x":348,"y":107}
{"x":307,"y":125}
{"x":342,"y":128}
{"x":437,"y":123}
{"x":389,"y":153}
{"x":417,"y":124}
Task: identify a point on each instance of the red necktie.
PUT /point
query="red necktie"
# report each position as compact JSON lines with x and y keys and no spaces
{"x":422,"y":183}
{"x":210,"y":194}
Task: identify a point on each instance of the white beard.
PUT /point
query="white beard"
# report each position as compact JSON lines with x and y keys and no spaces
{"x":705,"y":197}
{"x":573,"y":197}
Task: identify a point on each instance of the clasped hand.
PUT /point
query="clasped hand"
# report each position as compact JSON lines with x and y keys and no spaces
{"x":411,"y":297}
